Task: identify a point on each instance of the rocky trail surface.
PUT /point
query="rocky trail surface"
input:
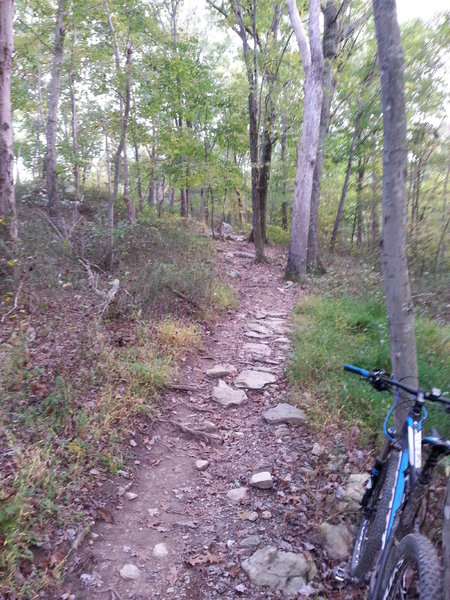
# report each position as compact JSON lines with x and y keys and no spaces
{"x":234,"y":494}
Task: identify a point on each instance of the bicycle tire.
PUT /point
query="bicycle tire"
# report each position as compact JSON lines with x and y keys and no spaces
{"x":373,"y":521}
{"x":413,"y":569}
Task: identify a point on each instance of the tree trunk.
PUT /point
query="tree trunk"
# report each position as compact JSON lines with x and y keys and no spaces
{"x":374,"y":228}
{"x":312,"y":59}
{"x":52,"y":121}
{"x":8,"y":217}
{"x":347,"y":178}
{"x":395,"y":267}
{"x":76,"y":152}
{"x":138,"y":172}
{"x":329,"y":45}
{"x":358,"y":213}
{"x":128,"y":202}
{"x":110,"y":211}
{"x":41,"y":120}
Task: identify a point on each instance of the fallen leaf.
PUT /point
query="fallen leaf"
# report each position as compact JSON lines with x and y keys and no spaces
{"x":106,"y":515}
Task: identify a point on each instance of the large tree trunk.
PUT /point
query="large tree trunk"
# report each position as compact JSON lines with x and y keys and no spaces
{"x":329,"y":45}
{"x":395,"y":267}
{"x":312,"y":59}
{"x":8,"y":218}
{"x":52,"y":121}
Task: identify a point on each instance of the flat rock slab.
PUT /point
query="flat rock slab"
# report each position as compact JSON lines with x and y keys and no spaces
{"x":280,"y":571}
{"x":257,"y":349}
{"x":256,"y":336}
{"x":241,"y":254}
{"x":284,"y":413}
{"x":282,"y":340}
{"x":221,"y":370}
{"x":254,"y":380}
{"x":274,"y":314}
{"x":226,"y":396}
{"x":258,"y":327}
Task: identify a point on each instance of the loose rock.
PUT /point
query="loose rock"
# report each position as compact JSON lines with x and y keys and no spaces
{"x":337,"y":539}
{"x":262,"y":481}
{"x":283,"y":571}
{"x":201,"y":465}
{"x":160,"y":551}
{"x":355,"y":488}
{"x":284,"y":413}
{"x":250,"y":542}
{"x":130,"y":572}
{"x":226,"y":395}
{"x":221,"y":371}
{"x":130,"y":495}
{"x":237,"y":494}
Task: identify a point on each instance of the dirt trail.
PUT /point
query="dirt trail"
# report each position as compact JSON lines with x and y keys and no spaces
{"x":184,"y":534}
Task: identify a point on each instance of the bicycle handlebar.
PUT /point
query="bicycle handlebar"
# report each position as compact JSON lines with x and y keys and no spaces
{"x":379,"y":380}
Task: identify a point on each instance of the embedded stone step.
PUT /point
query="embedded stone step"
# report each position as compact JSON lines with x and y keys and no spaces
{"x":254,"y":380}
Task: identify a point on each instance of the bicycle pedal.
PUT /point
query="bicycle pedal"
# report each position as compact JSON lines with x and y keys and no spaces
{"x":341,"y":574}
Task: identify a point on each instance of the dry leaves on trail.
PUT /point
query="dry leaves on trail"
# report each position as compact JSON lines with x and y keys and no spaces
{"x":201,"y":559}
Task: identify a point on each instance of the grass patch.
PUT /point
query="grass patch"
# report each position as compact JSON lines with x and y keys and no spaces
{"x":224,"y":297}
{"x":176,"y":336}
{"x":329,"y":332}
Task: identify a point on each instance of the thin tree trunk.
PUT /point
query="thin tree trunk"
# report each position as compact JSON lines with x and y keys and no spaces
{"x":110,"y":211}
{"x":41,"y":119}
{"x":395,"y":266}
{"x":358,"y":213}
{"x":138,"y":172}
{"x":284,"y":221}
{"x":52,"y":121}
{"x":312,"y":59}
{"x":347,"y":177}
{"x":329,"y":45}
{"x":76,"y":151}
{"x":8,"y":216}
{"x":374,"y":227}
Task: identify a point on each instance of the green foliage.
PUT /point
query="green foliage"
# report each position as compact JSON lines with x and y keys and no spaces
{"x":278,"y":235}
{"x":332,"y":331}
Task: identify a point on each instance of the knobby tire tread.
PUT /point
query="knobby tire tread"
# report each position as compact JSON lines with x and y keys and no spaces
{"x":372,"y":527}
{"x":414,"y":548}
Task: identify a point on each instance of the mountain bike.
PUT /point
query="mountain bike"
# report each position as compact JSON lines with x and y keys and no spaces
{"x":395,"y":489}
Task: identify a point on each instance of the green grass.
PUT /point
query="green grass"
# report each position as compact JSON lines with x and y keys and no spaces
{"x":329,"y":332}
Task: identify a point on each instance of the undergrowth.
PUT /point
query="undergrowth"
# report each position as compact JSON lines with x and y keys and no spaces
{"x":74,"y":378}
{"x":52,"y":442}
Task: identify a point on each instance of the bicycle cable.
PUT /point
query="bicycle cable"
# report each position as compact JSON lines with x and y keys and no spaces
{"x":397,"y":394}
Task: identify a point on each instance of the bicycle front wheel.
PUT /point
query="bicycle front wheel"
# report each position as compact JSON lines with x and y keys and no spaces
{"x":374,"y":520}
{"x":414,"y":571}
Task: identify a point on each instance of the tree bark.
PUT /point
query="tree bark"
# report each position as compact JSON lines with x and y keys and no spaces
{"x":329,"y":45}
{"x":395,"y":267}
{"x":138,"y":171}
{"x":110,"y":210}
{"x":312,"y":60}
{"x":76,"y":151}
{"x":52,"y":121}
{"x":8,"y":216}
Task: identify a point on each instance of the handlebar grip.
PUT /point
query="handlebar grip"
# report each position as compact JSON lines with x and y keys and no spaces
{"x":358,"y":370}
